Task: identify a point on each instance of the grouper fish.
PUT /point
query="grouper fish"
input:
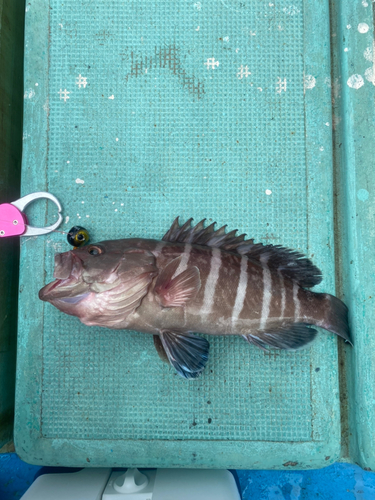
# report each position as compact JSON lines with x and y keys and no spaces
{"x":196,"y":279}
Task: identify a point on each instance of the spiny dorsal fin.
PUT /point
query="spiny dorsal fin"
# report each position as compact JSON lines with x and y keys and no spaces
{"x":200,"y":235}
{"x":290,"y":263}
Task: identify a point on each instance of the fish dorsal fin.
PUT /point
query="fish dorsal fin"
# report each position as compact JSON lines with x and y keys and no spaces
{"x":290,"y":263}
{"x":200,"y":235}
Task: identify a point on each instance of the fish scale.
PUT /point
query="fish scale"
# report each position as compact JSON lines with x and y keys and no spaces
{"x":196,"y":280}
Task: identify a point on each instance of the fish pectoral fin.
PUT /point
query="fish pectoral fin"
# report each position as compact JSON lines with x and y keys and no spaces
{"x":177,"y":291}
{"x":290,"y":337}
{"x":186,"y":352}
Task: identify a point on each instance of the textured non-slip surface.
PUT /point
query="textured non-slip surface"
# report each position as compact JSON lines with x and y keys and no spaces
{"x":145,"y":111}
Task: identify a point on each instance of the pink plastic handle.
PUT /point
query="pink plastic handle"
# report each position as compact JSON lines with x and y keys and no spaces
{"x":12,"y":221}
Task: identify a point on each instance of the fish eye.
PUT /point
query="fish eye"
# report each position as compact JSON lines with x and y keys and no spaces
{"x":95,"y":251}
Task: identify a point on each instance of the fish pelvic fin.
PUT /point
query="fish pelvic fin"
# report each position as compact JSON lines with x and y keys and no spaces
{"x":176,"y":291}
{"x":186,"y":352}
{"x":160,"y":349}
{"x":290,"y":263}
{"x":290,"y":337}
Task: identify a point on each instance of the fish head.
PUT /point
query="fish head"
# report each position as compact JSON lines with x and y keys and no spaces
{"x":88,"y":280}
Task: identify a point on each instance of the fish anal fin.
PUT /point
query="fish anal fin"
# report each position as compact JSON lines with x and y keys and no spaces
{"x":179,"y":290}
{"x":186,"y":352}
{"x":290,"y":337}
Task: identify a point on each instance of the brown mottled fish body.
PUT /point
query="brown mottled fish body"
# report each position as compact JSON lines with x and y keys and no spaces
{"x":237,"y":295}
{"x":196,"y":280}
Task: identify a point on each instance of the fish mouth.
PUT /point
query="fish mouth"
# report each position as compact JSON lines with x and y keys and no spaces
{"x":68,"y":286}
{"x":69,"y":290}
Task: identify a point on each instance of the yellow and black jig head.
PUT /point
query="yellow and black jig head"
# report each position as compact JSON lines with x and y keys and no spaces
{"x":78,"y":236}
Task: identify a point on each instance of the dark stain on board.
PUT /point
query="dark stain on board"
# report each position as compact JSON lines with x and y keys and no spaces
{"x":166,"y":58}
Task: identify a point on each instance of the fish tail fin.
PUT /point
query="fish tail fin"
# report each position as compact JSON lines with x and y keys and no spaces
{"x":336,"y":317}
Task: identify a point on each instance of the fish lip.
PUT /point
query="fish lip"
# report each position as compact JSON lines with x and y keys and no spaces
{"x":47,"y":289}
{"x":49,"y":292}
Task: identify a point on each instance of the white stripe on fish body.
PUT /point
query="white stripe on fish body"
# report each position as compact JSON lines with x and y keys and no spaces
{"x":283,"y":294}
{"x":241,"y":292}
{"x":159,"y":248}
{"x":212,"y":279}
{"x":184,"y":260}
{"x":267,"y":294}
{"x":297,"y":304}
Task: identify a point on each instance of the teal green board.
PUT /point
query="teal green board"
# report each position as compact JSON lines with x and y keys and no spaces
{"x":136,"y":112}
{"x":354,"y":109}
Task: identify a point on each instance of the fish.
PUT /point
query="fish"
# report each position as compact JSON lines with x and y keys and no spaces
{"x":196,"y":280}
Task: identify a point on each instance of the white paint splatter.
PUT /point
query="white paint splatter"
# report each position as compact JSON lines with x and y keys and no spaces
{"x":29,"y":94}
{"x":27,"y":8}
{"x":122,"y":204}
{"x":198,"y":6}
{"x":111,"y":97}
{"x":237,"y":50}
{"x":68,"y":161}
{"x":355,"y":81}
{"x":226,"y":39}
{"x":67,"y":219}
{"x":321,"y":148}
{"x":280,"y":85}
{"x":370,"y":75}
{"x":81,"y":81}
{"x":363,"y":194}
{"x":87,"y":216}
{"x":260,"y":89}
{"x":80,"y":181}
{"x":268,"y":192}
{"x":116,"y":139}
{"x":37,"y":84}
{"x":309,"y":82}
{"x":348,"y":26}
{"x":211,"y":63}
{"x":83,"y":202}
{"x":64,"y":95}
{"x":327,"y":81}
{"x":363,"y":27}
{"x":346,"y":49}
{"x":243,"y":71}
{"x":197,"y":29}
{"x":364,"y":3}
{"x":291,"y":10}
{"x":115,"y":209}
{"x":327,"y":124}
{"x":368,"y":54}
